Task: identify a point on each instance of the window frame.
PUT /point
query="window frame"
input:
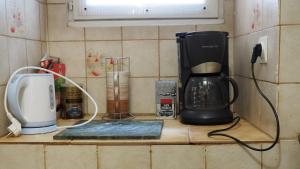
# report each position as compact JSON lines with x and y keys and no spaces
{"x":75,"y":20}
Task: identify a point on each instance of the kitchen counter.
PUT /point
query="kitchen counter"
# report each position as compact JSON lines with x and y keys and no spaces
{"x":173,"y":133}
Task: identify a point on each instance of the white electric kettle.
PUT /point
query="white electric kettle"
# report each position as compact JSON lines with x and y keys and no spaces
{"x":31,"y":99}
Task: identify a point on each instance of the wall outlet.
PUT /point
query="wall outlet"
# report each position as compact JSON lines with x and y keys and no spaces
{"x":264,"y":54}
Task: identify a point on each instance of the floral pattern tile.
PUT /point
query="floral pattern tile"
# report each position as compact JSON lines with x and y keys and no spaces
{"x":16,"y":17}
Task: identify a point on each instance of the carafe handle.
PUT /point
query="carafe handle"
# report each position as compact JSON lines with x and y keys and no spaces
{"x":235,"y":90}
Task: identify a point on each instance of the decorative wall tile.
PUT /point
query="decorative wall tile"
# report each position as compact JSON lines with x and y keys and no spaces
{"x":289,"y":12}
{"x":15,"y":14}
{"x":289,"y":54}
{"x":143,"y":57}
{"x":71,"y":157}
{"x":168,"y":58}
{"x":72,"y":54}
{"x":142,"y":95}
{"x":248,"y":16}
{"x":232,"y":156}
{"x":97,"y":88}
{"x":178,"y":157}
{"x":34,"y":52}
{"x":283,"y":156}
{"x":169,"y":32}
{"x":17,"y":53}
{"x":96,"y":52}
{"x":3,"y":22}
{"x":142,"y":32}
{"x":124,"y":157}
{"x":33,"y":19}
{"x":4,"y":64}
{"x":289,"y":95}
{"x":103,"y":33}
{"x":23,"y":156}
{"x":58,"y":25}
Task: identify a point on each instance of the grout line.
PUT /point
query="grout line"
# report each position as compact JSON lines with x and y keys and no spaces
{"x":40,"y":15}
{"x":259,"y":80}
{"x":290,"y":24}
{"x":261,"y":157}
{"x":279,"y":11}
{"x":205,"y":158}
{"x":9,"y":58}
{"x":151,"y":158}
{"x":279,"y":55}
{"x":17,"y":37}
{"x":278,"y":69}
{"x":257,"y":31}
{"x":122,"y":45}
{"x":103,"y":40}
{"x":54,"y":4}
{"x":158,"y":55}
{"x":41,"y":2}
{"x":26,"y":54}
{"x":45,"y":163}
{"x":97,"y":156}
{"x":86,"y":105}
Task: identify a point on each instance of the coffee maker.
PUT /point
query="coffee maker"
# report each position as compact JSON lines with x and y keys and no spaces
{"x":204,"y":78}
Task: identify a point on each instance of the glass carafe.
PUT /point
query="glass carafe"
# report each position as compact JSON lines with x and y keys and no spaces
{"x":210,"y":92}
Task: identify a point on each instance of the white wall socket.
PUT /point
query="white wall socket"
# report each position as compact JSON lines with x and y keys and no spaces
{"x":264,"y":53}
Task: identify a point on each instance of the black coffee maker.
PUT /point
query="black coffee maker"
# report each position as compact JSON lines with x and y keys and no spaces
{"x":203,"y":78}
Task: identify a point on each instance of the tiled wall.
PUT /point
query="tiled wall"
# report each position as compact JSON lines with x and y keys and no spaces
{"x":254,"y":19}
{"x":152,"y":51}
{"x":22,"y":40}
{"x":279,"y":20}
{"x":132,"y":157}
{"x":227,"y":156}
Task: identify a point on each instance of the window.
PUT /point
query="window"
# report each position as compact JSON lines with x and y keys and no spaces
{"x":120,"y":12}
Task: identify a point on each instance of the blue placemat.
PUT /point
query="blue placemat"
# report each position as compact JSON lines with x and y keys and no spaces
{"x":128,"y":129}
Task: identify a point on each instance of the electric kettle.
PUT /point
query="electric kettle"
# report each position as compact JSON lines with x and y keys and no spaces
{"x":31,"y":99}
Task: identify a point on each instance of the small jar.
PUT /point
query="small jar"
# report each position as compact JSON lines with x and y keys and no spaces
{"x":72,"y":102}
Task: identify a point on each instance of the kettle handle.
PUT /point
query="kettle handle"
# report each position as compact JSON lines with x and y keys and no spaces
{"x":20,"y":82}
{"x":235,"y":90}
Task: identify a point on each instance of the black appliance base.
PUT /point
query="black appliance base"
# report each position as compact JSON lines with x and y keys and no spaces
{"x":206,"y":117}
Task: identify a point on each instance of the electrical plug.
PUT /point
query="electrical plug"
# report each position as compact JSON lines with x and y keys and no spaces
{"x":15,"y":127}
{"x":257,"y":51}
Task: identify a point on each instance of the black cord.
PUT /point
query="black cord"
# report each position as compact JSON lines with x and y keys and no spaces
{"x":237,"y":119}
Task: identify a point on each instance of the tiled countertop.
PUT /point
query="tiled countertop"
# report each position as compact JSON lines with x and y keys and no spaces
{"x":173,"y":133}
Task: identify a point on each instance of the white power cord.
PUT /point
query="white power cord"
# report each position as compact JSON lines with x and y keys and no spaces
{"x":15,"y":127}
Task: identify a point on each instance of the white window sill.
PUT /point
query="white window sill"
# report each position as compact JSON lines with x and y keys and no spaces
{"x":114,"y":23}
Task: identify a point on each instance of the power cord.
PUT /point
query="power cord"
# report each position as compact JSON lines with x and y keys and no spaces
{"x":257,"y":50}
